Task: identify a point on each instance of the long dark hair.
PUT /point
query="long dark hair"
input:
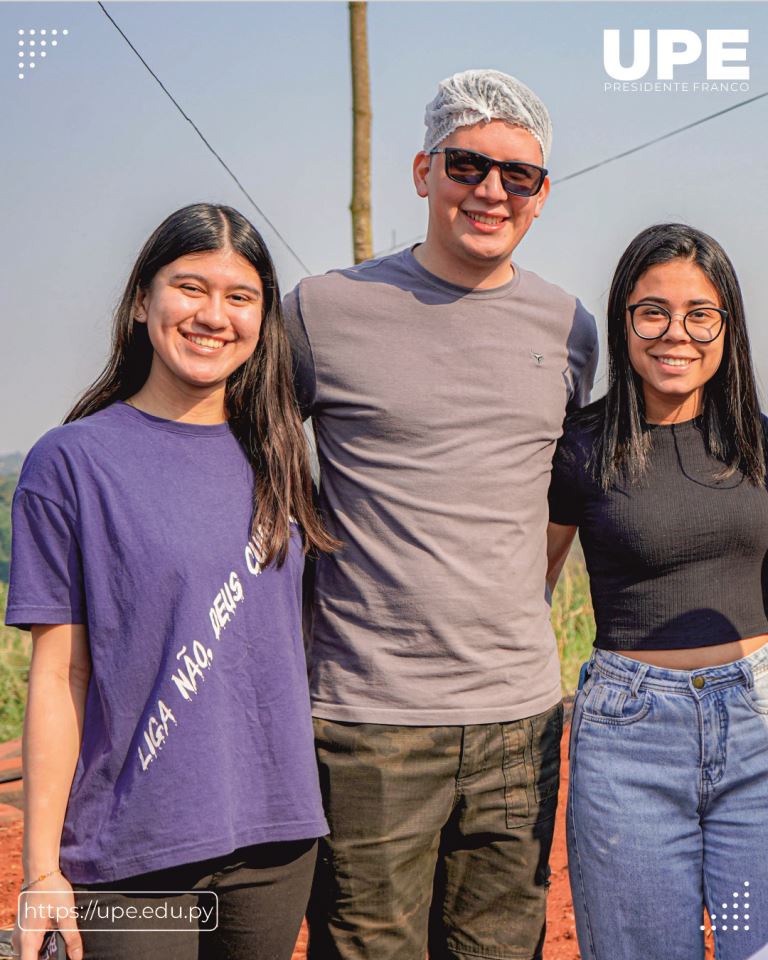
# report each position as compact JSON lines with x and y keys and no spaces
{"x":259,"y":397}
{"x":731,"y":415}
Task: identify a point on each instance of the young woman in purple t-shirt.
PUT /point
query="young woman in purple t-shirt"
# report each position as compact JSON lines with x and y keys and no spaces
{"x":665,"y":478}
{"x":172,"y":803}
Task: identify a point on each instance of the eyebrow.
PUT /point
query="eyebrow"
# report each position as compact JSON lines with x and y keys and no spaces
{"x":196,"y":276}
{"x":693,"y":303}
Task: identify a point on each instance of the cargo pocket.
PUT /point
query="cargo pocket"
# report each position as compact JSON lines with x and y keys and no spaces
{"x":532,"y":767}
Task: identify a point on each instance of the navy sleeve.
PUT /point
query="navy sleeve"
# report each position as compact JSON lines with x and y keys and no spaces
{"x":582,"y":356}
{"x":304,"y":381}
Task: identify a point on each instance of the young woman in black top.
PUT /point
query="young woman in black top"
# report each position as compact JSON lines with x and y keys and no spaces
{"x":665,"y":479}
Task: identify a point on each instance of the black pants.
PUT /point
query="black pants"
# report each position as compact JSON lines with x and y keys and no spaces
{"x":262,"y":894}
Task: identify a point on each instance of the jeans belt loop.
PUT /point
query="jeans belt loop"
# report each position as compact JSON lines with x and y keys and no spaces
{"x":638,"y":679}
{"x":749,"y":677}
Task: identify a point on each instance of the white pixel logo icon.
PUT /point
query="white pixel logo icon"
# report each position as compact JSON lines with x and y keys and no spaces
{"x":34,"y":46}
{"x":742,"y":916}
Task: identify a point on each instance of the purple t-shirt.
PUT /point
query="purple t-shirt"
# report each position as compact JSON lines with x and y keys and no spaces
{"x":198,"y":736}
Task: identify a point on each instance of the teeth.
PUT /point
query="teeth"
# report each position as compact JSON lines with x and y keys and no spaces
{"x":674,"y":361}
{"x":206,"y":341}
{"x":483,"y":219}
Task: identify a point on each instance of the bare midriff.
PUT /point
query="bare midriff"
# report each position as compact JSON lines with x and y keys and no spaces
{"x":694,"y":658}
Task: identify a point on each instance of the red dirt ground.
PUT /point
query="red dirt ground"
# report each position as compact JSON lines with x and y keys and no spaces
{"x":561,"y":933}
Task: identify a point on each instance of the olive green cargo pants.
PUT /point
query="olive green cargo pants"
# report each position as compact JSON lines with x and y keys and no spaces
{"x":440,"y":840}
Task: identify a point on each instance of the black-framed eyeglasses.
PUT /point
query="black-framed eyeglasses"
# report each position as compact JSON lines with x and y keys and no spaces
{"x":517,"y":177}
{"x":651,"y":321}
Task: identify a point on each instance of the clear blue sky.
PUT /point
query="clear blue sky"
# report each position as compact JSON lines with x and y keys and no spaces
{"x":95,"y":155}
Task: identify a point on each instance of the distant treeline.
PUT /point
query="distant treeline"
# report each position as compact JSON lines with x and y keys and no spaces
{"x":7,"y":486}
{"x":10,"y":463}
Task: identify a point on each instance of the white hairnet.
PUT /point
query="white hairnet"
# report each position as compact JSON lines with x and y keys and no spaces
{"x":475,"y":95}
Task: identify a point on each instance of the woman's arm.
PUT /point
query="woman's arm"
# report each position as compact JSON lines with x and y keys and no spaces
{"x":559,"y":540}
{"x":53,"y":729}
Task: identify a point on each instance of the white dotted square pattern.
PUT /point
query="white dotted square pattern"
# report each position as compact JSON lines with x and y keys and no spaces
{"x":736,"y":904}
{"x":30,"y":46}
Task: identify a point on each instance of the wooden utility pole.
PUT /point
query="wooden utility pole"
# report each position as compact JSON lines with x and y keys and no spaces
{"x":360,"y":207}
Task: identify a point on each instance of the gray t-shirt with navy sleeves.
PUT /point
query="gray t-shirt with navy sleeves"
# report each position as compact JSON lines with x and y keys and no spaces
{"x":436,"y":410}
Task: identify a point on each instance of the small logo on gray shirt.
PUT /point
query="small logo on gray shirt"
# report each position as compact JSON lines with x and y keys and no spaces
{"x":538,"y":357}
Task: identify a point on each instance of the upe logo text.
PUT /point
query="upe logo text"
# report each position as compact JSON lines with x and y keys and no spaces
{"x":675,"y":48}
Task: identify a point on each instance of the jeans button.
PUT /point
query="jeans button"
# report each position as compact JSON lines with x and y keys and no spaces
{"x":699,"y":682}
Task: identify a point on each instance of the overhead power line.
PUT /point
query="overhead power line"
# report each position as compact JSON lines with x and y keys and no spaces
{"x":664,"y":136}
{"x":616,"y":156}
{"x":200,"y":134}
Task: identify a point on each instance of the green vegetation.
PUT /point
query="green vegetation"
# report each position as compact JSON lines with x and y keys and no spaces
{"x":15,"y":648}
{"x":573,"y":619}
{"x":7,"y":486}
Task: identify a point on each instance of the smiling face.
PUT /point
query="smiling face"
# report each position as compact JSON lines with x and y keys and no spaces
{"x":674,"y":368}
{"x":474,"y":229}
{"x":203,"y":314}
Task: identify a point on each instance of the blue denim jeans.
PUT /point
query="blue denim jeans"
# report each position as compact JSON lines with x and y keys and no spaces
{"x":668,"y":809}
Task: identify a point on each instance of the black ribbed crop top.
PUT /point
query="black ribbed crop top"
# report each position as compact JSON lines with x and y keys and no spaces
{"x":675,"y":560}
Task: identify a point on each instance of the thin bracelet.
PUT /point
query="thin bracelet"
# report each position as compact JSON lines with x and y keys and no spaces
{"x":43,"y":876}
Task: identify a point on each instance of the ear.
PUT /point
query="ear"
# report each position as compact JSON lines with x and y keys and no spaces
{"x":421,"y":165}
{"x":541,"y":197}
{"x":139,"y":309}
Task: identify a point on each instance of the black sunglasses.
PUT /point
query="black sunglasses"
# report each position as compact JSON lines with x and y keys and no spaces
{"x":517,"y":177}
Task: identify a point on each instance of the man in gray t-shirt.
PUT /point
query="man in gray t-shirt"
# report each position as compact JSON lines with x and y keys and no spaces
{"x":438,"y":379}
